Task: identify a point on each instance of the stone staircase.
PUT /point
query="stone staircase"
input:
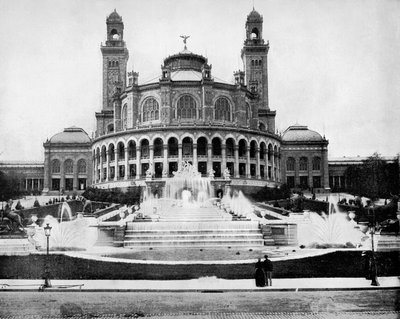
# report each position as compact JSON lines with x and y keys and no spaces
{"x":193,"y":227}
{"x":15,"y":246}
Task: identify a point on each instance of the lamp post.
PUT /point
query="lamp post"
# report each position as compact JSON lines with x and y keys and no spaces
{"x":47,"y":282}
{"x":373,"y":268}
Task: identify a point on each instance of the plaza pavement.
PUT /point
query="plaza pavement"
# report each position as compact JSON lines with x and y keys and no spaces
{"x":201,"y":284}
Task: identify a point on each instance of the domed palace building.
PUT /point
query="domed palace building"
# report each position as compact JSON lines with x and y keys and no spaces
{"x":149,"y":130}
{"x":67,"y":162}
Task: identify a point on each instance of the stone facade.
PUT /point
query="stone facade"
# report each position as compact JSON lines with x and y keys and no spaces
{"x":67,"y":163}
{"x":188,"y":116}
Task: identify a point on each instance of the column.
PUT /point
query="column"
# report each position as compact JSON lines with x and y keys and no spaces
{"x":62,"y":176}
{"x":101,"y":168}
{"x":108,"y":165}
{"x":151,"y":159}
{"x":265,"y":164}
{"x":248,"y":162}
{"x":223,"y":154}
{"x":258,"y":175}
{"x":273,"y":166}
{"x":309,"y":171}
{"x":209,"y":157}
{"x":116,"y":165}
{"x":296,"y":172}
{"x":126,"y":163}
{"x":94,"y":167}
{"x":179,"y":156}
{"x":165,"y":162}
{"x":236,"y":165}
{"x":195,"y":162}
{"x":75,"y":180}
{"x":138,"y":163}
{"x":47,"y":170}
{"x":26,"y":184}
{"x":325,"y":167}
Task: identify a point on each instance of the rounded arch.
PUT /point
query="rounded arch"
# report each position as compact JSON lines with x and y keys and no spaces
{"x":290,"y":162}
{"x":82,"y":166}
{"x":183,"y":136}
{"x":230,"y":146}
{"x":187,"y":146}
{"x":172,"y":146}
{"x":104,"y":153}
{"x":263,"y":150}
{"x":262,"y":126}
{"x":111,"y":150}
{"x":303,"y":163}
{"x":131,"y":148}
{"x":253,"y":148}
{"x":158,"y":147}
{"x":110,"y":128}
{"x":242,"y":147}
{"x":68,"y":166}
{"x":316,"y":163}
{"x":56,"y":166}
{"x":186,"y":107}
{"x":255,"y":34}
{"x":144,"y":148}
{"x":202,"y":142}
{"x":150,"y":109}
{"x":216,"y":143}
{"x":121,"y":150}
{"x":222,"y":109}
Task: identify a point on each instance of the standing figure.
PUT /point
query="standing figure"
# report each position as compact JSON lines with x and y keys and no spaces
{"x":268,"y":268}
{"x":259,"y":274}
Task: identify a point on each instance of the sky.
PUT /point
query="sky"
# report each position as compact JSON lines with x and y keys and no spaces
{"x":333,"y":65}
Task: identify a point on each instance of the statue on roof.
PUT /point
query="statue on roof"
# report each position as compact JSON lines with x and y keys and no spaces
{"x":185,"y":37}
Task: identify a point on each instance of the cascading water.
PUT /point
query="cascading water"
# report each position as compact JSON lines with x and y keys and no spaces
{"x":188,"y":185}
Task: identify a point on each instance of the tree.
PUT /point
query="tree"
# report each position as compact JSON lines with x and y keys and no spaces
{"x":374,"y":178}
{"x":9,"y":186}
{"x":36,"y":203}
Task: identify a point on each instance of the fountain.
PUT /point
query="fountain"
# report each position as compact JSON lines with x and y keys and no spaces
{"x":187,"y":215}
{"x":68,"y":232}
{"x":335,"y":229}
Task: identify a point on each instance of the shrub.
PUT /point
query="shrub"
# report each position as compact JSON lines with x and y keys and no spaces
{"x":36,"y":203}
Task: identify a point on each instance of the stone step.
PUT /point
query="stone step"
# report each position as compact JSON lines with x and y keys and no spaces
{"x":196,"y":243}
{"x":173,"y":225}
{"x":244,"y":237}
{"x":192,"y":231}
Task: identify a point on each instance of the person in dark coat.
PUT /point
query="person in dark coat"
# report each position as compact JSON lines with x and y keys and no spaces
{"x":268,"y":268}
{"x":259,"y":274}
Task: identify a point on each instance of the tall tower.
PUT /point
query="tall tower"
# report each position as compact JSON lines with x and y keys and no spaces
{"x":254,"y":56}
{"x":115,"y":58}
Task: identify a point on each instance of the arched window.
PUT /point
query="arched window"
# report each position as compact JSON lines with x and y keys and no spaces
{"x":222,"y":109}
{"x":253,"y":148}
{"x":230,"y":147}
{"x":303,"y":165}
{"x":290,"y":164}
{"x":55,"y":166}
{"x":151,"y":110}
{"x":124,"y":116}
{"x":186,"y":107}
{"x":158,"y":147}
{"x":216,"y":146}
{"x":82,"y":166}
{"x":68,"y":166}
{"x":202,"y":146}
{"x":316,"y":165}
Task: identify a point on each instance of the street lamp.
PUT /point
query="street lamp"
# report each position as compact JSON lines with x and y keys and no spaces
{"x":47,"y":282}
{"x":374,"y":270}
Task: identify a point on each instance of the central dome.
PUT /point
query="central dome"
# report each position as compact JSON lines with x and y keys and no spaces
{"x":185,"y":60}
